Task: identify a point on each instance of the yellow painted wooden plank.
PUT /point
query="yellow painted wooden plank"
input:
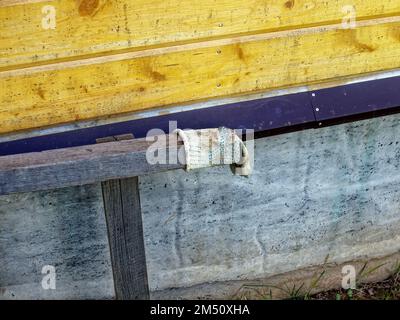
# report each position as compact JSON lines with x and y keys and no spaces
{"x":76,"y":90}
{"x":90,"y":27}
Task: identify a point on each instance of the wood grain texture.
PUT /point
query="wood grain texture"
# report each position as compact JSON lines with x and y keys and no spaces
{"x":123,"y":214}
{"x":91,"y":27}
{"x":99,"y":87}
{"x":125,"y":235}
{"x":78,"y":166}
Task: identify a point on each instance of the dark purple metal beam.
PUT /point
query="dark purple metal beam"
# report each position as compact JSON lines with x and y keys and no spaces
{"x":260,"y":115}
{"x":354,"y":99}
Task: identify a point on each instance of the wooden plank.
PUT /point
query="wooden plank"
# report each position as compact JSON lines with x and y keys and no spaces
{"x":80,"y":165}
{"x":125,"y":235}
{"x":121,"y":199}
{"x":90,"y":27}
{"x":121,"y":137}
{"x":98,"y":87}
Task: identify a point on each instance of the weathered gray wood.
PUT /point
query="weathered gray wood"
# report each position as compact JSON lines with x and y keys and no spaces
{"x":125,"y":235}
{"x":121,"y":137}
{"x":78,"y":166}
{"x":123,"y":213}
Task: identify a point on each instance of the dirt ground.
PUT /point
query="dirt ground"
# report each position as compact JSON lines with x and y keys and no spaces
{"x":376,"y":279}
{"x":388,"y":289}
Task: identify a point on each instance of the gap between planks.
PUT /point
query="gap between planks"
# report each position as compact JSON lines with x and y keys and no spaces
{"x":190,"y":46}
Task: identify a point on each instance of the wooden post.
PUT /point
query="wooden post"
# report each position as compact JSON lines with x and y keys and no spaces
{"x":125,"y":234}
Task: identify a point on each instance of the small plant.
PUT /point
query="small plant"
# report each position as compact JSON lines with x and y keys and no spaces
{"x":314,"y":285}
{"x":364,"y":272}
{"x":350,"y":294}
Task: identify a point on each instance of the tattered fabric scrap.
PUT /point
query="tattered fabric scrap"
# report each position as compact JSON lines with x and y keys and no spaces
{"x":216,"y":146}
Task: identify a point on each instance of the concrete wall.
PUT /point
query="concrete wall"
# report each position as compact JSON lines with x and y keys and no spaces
{"x":317,"y":193}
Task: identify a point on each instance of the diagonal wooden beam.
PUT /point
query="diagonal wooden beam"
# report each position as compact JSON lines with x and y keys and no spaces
{"x":79,"y":165}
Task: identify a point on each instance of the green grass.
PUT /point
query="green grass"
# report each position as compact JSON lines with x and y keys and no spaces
{"x":388,"y":289}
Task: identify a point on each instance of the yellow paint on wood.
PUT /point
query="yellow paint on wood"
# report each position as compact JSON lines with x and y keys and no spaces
{"x":68,"y":91}
{"x":92,"y":27}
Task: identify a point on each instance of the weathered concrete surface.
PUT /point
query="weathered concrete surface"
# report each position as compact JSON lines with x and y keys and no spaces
{"x":333,"y":191}
{"x":64,"y":228}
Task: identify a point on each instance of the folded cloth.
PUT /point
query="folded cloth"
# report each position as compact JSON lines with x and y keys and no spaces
{"x":216,"y":146}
